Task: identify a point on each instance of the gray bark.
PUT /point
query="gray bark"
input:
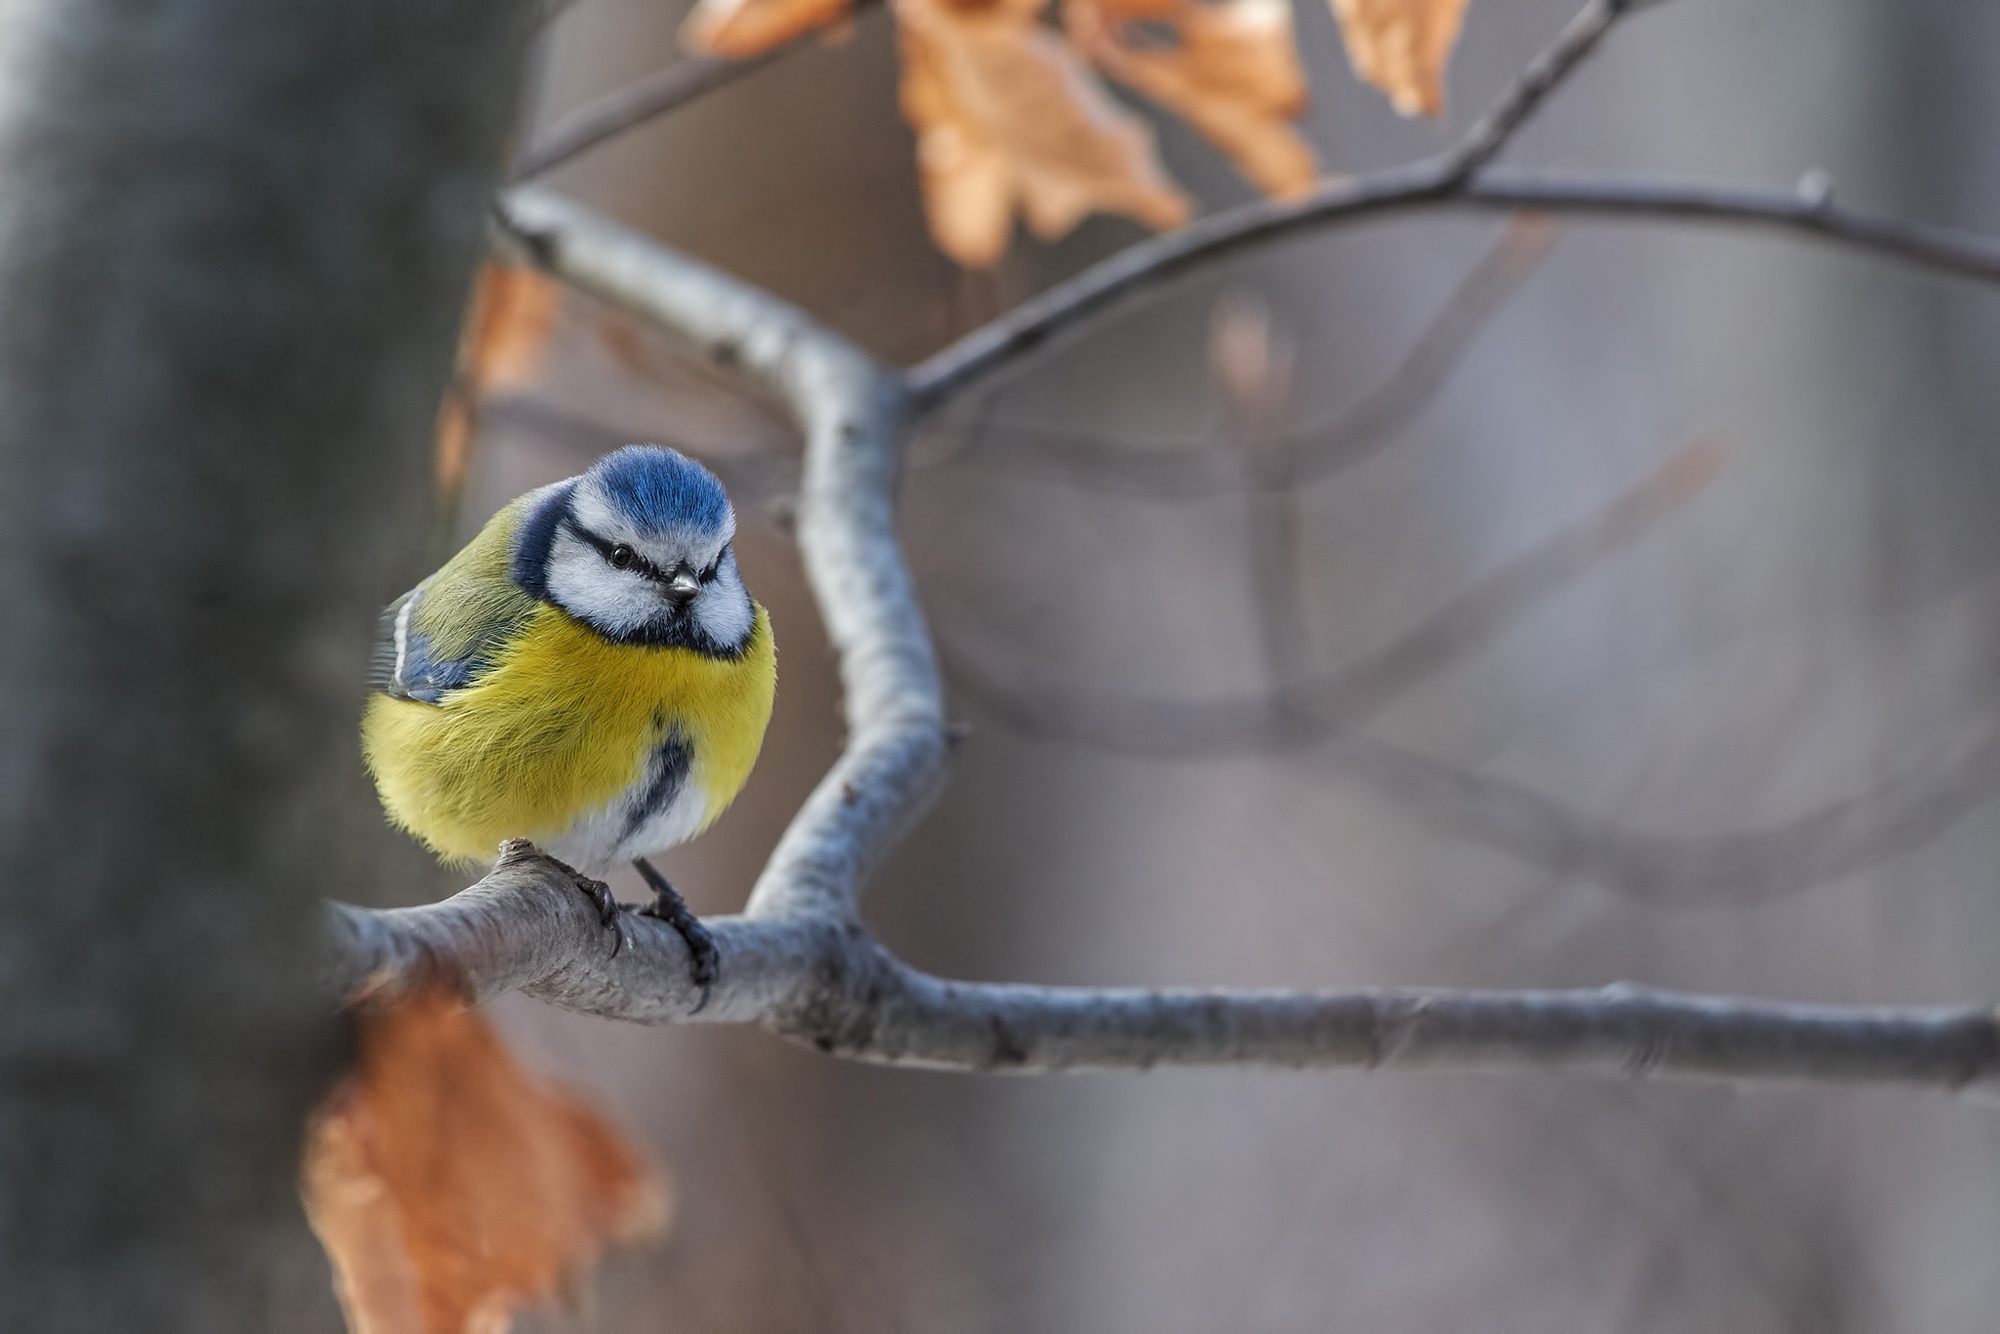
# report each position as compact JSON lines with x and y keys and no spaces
{"x":234,"y":240}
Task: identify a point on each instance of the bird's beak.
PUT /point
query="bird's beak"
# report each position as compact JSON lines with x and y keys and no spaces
{"x":682,"y":587}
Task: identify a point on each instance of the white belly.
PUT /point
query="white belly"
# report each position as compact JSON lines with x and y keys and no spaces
{"x":666,"y":806}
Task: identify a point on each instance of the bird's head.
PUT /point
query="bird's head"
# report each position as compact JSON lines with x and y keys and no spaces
{"x":639,"y":549}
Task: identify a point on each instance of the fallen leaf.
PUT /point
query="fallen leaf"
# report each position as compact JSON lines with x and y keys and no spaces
{"x":1402,"y":46}
{"x":1230,"y":69}
{"x":738,"y":29}
{"x":450,"y":1188}
{"x":1009,"y":118}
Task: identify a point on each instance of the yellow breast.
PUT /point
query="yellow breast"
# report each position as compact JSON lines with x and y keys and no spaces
{"x":561,"y":725}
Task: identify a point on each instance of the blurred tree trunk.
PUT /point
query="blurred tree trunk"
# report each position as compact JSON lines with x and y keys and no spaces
{"x":234,"y":240}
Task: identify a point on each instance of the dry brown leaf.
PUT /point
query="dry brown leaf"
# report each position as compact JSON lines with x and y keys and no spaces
{"x":455,"y":420}
{"x":1402,"y":46}
{"x":1229,"y":69}
{"x":738,"y":29}
{"x":1008,"y":117}
{"x":503,"y":346}
{"x":451,"y":1188}
{"x":507,"y":339}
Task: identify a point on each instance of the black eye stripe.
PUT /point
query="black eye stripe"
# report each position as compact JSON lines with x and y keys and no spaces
{"x":609,"y":549}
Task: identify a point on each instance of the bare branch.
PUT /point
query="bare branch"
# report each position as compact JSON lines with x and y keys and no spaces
{"x":633,"y":105}
{"x":1319,"y":718}
{"x":1311,"y":450}
{"x":833,"y":987}
{"x":1490,"y":133}
{"x":645,"y":99}
{"x":1315,"y":708}
{"x":1066,"y":307}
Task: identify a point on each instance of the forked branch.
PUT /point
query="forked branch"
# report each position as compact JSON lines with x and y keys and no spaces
{"x":799,"y":961}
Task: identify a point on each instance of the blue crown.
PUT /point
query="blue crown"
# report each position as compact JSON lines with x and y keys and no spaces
{"x":661,"y":490}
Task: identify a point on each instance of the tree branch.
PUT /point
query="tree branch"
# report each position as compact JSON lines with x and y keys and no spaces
{"x":1424,"y":187}
{"x":1489,"y":135}
{"x":633,"y":105}
{"x":799,"y":961}
{"x":831,"y":986}
{"x":647,"y":98}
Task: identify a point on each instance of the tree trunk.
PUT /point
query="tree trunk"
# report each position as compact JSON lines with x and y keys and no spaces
{"x":234,"y":240}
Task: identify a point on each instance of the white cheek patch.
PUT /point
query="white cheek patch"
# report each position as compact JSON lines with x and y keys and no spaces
{"x":722,"y":608}
{"x":619,"y":601}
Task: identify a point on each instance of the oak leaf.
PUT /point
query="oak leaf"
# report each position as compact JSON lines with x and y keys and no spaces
{"x":738,"y":29}
{"x":1402,"y":46}
{"x":450,"y":1188}
{"x":1230,"y":69}
{"x":1009,"y":118}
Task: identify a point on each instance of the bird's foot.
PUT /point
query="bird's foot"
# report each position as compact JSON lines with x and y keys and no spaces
{"x":609,"y":909}
{"x":669,"y":907}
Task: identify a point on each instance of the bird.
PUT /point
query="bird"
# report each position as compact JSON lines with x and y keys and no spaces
{"x":589,"y":673}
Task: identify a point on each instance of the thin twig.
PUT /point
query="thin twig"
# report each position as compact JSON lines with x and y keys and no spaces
{"x":1311,"y":450}
{"x":1490,"y":133}
{"x":632,"y":106}
{"x":646,"y":99}
{"x":1319,"y":721}
{"x":1065,"y":308}
{"x":1319,"y":706}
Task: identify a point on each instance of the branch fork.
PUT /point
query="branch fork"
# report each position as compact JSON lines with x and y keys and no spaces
{"x":799,"y":961}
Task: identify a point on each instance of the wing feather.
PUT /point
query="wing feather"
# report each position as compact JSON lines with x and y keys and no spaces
{"x":450,"y":630}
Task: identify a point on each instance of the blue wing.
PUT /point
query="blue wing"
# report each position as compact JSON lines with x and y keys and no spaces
{"x":450,"y":630}
{"x":428,"y":646}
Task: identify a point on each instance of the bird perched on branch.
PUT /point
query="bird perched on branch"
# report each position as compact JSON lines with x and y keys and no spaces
{"x":589,"y":673}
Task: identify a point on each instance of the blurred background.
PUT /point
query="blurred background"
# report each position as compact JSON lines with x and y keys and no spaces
{"x":1448,"y":601}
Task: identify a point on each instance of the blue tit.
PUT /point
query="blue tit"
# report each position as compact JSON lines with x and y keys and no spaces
{"x":589,"y":672}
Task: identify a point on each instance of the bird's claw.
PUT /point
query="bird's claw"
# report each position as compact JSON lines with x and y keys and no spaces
{"x":668,"y":906}
{"x":608,"y":908}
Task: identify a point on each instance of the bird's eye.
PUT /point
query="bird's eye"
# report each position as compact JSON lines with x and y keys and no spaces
{"x":621,"y":557}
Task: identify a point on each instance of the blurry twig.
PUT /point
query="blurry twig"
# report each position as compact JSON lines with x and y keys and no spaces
{"x":1322,"y":717}
{"x":633,"y":105}
{"x":642,"y":100}
{"x":1736,"y":868}
{"x":1309,"y":451}
{"x":1318,"y":707}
